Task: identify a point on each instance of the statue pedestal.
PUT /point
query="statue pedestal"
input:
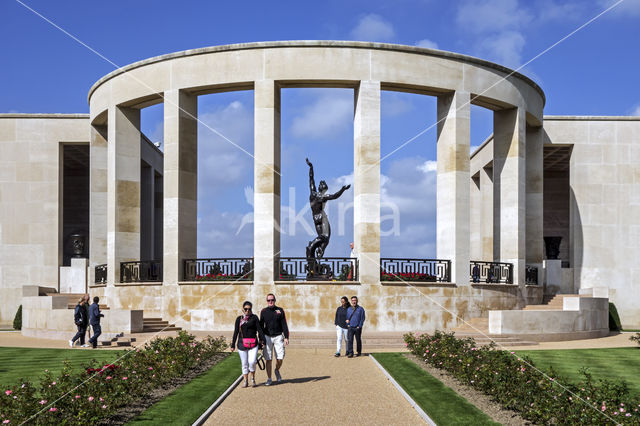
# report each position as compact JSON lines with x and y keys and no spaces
{"x":553,"y":275}
{"x":73,"y":279}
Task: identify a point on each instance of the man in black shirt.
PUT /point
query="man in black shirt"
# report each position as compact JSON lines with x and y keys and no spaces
{"x":274,"y":324}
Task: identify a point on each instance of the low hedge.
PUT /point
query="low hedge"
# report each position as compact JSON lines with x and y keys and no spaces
{"x":98,"y":391}
{"x":517,"y":385}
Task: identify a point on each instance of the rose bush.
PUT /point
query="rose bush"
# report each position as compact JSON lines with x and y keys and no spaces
{"x":515,"y":383}
{"x":98,"y":391}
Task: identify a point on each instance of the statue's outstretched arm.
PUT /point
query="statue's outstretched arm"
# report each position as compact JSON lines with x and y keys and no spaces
{"x":312,"y":183}
{"x":337,"y":194}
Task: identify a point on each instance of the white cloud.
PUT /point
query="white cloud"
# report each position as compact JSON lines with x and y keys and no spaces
{"x":327,"y":116}
{"x":428,"y":166}
{"x":504,"y":48}
{"x":373,"y":27}
{"x":473,"y":148}
{"x":426,"y":43}
{"x":635,"y":111}
{"x":551,"y":10}
{"x":628,"y":8}
{"x":492,"y":16}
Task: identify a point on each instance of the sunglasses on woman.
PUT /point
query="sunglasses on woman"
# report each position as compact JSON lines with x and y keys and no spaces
{"x":247,"y":309}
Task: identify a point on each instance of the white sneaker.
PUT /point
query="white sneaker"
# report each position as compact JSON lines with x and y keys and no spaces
{"x":278,"y":376}
{"x":70,"y":343}
{"x":268,"y":382}
{"x":86,"y":345}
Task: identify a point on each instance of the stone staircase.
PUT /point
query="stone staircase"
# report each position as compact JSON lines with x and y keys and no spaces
{"x":119,"y":340}
{"x":154,"y":325}
{"x":73,"y":298}
{"x":551,"y":303}
{"x":478,"y":329}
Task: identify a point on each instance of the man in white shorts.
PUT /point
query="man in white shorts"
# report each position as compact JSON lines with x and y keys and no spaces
{"x":274,"y":324}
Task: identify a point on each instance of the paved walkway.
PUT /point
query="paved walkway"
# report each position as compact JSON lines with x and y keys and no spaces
{"x":318,"y":388}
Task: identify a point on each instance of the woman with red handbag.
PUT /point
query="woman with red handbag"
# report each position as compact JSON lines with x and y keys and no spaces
{"x":247,"y":336}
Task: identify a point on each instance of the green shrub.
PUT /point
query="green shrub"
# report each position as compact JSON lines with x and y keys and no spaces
{"x":614,"y":318}
{"x":96,"y":392}
{"x":17,"y":320}
{"x":516,"y":384}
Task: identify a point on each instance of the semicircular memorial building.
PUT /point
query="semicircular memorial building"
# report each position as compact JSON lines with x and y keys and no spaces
{"x":547,"y":206}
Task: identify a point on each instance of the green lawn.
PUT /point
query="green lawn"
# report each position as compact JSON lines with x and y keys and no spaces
{"x":184,"y":405}
{"x":612,"y":363}
{"x":30,"y":363}
{"x":442,"y":404}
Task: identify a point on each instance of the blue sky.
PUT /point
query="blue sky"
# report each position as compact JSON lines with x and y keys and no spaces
{"x":593,"y":72}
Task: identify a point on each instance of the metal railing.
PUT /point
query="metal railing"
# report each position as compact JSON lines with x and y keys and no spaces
{"x":142,"y":271}
{"x":100,"y":274}
{"x":491,"y":272}
{"x":324,"y":269}
{"x":422,"y":270}
{"x":219,"y":269}
{"x":531,"y":275}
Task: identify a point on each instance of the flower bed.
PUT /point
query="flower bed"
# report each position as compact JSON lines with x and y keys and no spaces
{"x":516,"y":385}
{"x":407,"y":276}
{"x":97,"y":392}
{"x":225,"y":277}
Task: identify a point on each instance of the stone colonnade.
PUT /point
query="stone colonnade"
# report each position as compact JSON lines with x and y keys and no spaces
{"x":178,"y":79}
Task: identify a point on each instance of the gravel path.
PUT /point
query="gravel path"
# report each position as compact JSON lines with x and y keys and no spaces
{"x":317,"y":389}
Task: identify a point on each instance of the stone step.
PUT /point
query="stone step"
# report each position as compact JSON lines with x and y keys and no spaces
{"x":155,"y":329}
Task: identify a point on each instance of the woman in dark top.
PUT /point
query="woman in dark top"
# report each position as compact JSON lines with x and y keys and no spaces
{"x":341,"y":323}
{"x":247,"y":337}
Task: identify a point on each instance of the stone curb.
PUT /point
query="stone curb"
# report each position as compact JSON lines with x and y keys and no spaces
{"x":203,"y":418}
{"x":410,"y":400}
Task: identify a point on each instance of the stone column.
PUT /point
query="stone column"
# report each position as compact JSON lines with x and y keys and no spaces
{"x":534,"y":199}
{"x":146,"y":212}
{"x":123,"y":189}
{"x":509,"y":128}
{"x":475,"y":219}
{"x":452,"y":212}
{"x":266,"y":163}
{"x":180,"y":184}
{"x":98,"y":199}
{"x":366,"y":180}
{"x":486,"y":187}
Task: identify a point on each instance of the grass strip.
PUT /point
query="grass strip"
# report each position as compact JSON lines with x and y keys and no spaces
{"x":188,"y":402}
{"x":441,"y":403}
{"x":30,"y":363}
{"x":615,"y":364}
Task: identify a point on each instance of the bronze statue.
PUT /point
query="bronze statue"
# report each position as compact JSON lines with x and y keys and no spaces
{"x":318,"y":198}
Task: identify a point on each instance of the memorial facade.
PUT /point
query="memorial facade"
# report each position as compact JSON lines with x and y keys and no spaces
{"x":142,"y":204}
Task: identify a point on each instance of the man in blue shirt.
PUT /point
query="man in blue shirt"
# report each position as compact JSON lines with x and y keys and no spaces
{"x":355,"y":321}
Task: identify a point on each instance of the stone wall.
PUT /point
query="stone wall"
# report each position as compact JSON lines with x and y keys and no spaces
{"x":30,"y":200}
{"x":604,"y":205}
{"x":311,"y":306}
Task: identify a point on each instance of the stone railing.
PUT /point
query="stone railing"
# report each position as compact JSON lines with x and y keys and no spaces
{"x":491,"y":272}
{"x":142,"y":271}
{"x":324,"y":269}
{"x":219,"y":269}
{"x":422,"y":270}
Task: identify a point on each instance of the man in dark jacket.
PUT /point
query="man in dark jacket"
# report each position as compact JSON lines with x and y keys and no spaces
{"x":355,"y":321}
{"x":81,"y":320}
{"x":274,"y":325}
{"x":94,"y":320}
{"x":341,"y":323}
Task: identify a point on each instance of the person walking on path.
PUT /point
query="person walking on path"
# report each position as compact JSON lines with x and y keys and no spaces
{"x":355,"y":321}
{"x":274,"y":324}
{"x":81,"y":319}
{"x":341,"y":324}
{"x":247,"y":336}
{"x":94,"y":320}
{"x":87,"y":302}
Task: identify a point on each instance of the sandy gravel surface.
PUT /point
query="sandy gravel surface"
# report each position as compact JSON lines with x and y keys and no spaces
{"x":17,"y":340}
{"x":620,"y":340}
{"x":318,"y":388}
